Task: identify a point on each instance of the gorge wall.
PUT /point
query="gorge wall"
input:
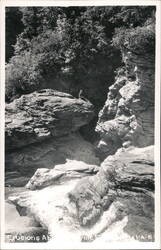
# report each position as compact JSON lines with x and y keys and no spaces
{"x":125,"y":181}
{"x":127,"y":117}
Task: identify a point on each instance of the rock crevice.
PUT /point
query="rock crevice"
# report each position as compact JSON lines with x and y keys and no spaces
{"x":128,"y":115}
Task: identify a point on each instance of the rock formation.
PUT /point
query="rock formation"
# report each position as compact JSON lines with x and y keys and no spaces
{"x":126,"y":177}
{"x":42,"y":137}
{"x":42,"y":115}
{"x":128,"y":115}
{"x":122,"y":188}
{"x":44,"y":177}
{"x":23,"y":162}
{"x":49,"y":117}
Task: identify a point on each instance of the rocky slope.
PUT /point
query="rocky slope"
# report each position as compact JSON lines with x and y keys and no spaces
{"x":127,"y":117}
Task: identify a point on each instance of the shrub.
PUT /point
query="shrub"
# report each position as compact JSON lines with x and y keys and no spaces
{"x":139,"y":40}
{"x":22,"y":75}
{"x":30,"y":69}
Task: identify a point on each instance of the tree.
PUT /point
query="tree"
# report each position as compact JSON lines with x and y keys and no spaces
{"x":74,"y":45}
{"x":14,"y":26}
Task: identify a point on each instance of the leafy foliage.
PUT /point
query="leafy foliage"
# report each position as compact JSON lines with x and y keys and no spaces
{"x":74,"y":45}
{"x":139,"y":40}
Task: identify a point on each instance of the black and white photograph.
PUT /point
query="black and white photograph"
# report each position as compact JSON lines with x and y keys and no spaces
{"x":80,"y":124}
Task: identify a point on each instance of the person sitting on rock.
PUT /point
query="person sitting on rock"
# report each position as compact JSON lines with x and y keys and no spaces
{"x":80,"y":96}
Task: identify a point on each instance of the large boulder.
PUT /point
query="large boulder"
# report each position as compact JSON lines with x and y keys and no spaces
{"x":127,"y":117}
{"x":72,"y":169}
{"x":44,"y":114}
{"x":127,"y":178}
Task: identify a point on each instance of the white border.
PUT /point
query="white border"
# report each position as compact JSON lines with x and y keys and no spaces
{"x":77,"y":2}
{"x":120,"y":245}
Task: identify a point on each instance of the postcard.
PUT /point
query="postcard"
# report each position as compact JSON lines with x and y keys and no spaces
{"x":80,"y":124}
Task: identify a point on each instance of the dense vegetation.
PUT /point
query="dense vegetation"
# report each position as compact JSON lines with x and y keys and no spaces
{"x":72,"y":48}
{"x":14,"y":26}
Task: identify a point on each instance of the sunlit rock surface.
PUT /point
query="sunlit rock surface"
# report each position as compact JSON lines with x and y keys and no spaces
{"x":72,"y":169}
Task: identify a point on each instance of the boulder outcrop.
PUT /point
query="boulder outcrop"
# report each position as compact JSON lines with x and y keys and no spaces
{"x":42,"y":115}
{"x":122,"y":190}
{"x":41,"y":132}
{"x":126,"y":177}
{"x":127,"y":117}
{"x":44,"y":177}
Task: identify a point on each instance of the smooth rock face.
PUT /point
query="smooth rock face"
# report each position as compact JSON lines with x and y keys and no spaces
{"x":127,"y":117}
{"x":72,"y":169}
{"x":127,"y":177}
{"x":48,"y":154}
{"x":44,"y":114}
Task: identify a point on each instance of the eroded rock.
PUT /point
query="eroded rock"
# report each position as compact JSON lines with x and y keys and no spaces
{"x":48,"y":154}
{"x":127,"y":117}
{"x":70,"y":170}
{"x":116,"y":212}
{"x":122,"y":190}
{"x":42,"y":115}
{"x":127,"y":177}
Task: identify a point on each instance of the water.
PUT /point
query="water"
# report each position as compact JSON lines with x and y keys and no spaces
{"x":21,"y":228}
{"x":49,"y":211}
